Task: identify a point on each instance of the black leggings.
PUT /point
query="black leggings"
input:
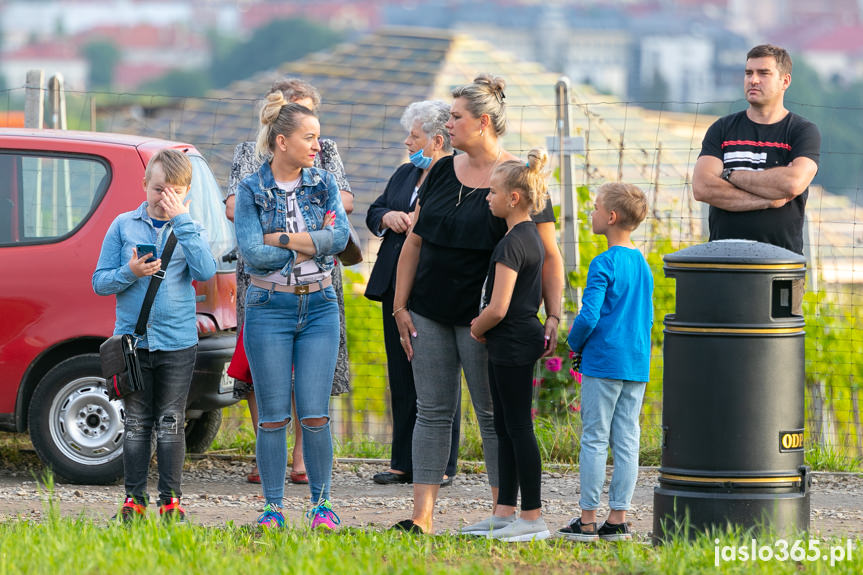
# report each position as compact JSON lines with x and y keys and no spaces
{"x":518,"y":453}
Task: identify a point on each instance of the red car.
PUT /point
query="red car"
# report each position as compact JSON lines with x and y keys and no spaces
{"x":59,"y":192}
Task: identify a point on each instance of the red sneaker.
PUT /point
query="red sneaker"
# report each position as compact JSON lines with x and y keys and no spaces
{"x":131,"y":511}
{"x":171,"y":511}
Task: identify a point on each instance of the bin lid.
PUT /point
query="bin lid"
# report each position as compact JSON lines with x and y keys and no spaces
{"x":737,"y":252}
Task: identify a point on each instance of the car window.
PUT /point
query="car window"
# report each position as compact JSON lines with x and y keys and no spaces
{"x":207,"y":208}
{"x":44,"y":198}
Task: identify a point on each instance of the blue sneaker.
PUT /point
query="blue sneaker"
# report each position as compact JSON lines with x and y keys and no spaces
{"x":324,"y":516}
{"x":271,"y":517}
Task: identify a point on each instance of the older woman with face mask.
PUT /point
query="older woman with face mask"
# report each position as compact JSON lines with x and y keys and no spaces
{"x":389,"y":217}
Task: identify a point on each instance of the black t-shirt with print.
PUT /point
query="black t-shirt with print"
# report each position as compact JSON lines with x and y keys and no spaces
{"x":518,"y":338}
{"x":744,"y":145}
{"x":457,"y":241}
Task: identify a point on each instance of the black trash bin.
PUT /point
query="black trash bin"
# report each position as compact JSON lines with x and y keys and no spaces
{"x":732,"y":406}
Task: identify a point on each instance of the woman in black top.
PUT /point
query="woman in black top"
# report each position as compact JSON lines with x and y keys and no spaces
{"x":389,"y":217}
{"x":439,"y":279}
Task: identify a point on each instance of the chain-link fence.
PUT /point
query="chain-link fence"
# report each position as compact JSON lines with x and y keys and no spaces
{"x":615,"y":141}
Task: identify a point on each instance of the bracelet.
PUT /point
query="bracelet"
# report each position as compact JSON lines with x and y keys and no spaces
{"x":395,"y":311}
{"x":552,"y":315}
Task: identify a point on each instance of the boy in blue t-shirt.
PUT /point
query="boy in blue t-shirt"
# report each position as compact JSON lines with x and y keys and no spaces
{"x":611,"y":338}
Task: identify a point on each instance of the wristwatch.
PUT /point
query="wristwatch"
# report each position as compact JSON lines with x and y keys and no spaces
{"x":284,"y":239}
{"x":726,"y":174}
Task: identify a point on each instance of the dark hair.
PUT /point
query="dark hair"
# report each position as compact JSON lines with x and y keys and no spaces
{"x":485,"y":96}
{"x":627,"y":200}
{"x":531,"y":178}
{"x":783,"y":60}
{"x":278,"y":116}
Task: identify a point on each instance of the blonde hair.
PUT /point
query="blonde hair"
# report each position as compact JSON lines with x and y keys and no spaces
{"x":530,"y":178}
{"x":485,"y":96}
{"x":627,"y":201}
{"x":278,"y":117}
{"x":175,"y":165}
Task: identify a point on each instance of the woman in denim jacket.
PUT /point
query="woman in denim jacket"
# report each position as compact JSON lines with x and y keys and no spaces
{"x":290,"y":222}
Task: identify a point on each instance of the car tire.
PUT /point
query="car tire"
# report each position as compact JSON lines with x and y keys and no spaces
{"x":201,"y":432}
{"x":76,"y":430}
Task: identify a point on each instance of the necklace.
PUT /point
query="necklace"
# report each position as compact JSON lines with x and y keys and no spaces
{"x":461,"y":186}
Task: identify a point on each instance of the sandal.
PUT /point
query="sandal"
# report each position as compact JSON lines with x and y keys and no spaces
{"x":254,"y":476}
{"x":299,"y":477}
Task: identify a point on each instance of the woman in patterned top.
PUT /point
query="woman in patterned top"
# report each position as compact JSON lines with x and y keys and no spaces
{"x":246,"y":162}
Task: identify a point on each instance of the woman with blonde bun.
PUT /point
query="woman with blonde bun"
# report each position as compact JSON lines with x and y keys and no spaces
{"x":290,"y":224}
{"x":513,"y":334}
{"x":438,"y":285}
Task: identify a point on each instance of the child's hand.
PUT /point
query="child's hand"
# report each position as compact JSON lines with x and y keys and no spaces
{"x":478,"y":338}
{"x":329,"y":219}
{"x":140,"y":267}
{"x":172,"y":203}
{"x":576,"y":361}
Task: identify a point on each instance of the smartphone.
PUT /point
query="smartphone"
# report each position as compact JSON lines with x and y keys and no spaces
{"x":147,"y":249}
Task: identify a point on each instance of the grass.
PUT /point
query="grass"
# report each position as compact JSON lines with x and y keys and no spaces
{"x":81,"y":545}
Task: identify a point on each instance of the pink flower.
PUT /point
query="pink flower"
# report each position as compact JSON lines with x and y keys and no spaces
{"x":533,"y":413}
{"x":553,"y":364}
{"x":571,"y":354}
{"x":536,"y":383}
{"x":576,"y":375}
{"x":574,"y":407}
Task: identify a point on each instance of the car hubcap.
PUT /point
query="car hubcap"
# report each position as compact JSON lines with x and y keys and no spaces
{"x":85,"y":425}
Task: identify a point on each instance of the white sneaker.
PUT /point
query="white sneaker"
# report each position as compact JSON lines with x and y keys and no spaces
{"x":486,"y":526}
{"x":522,"y":530}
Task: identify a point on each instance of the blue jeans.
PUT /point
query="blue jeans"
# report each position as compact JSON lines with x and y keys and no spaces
{"x":609,"y":415}
{"x":161,"y":405}
{"x":284,"y":331}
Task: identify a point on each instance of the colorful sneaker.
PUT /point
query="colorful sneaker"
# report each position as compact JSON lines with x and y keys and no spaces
{"x":131,"y":511}
{"x":324,"y":516}
{"x":575,"y":531}
{"x":271,"y":517}
{"x":170,"y":511}
{"x":614,"y":532}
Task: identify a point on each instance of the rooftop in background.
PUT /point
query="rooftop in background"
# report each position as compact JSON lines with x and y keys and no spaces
{"x":365,"y":87}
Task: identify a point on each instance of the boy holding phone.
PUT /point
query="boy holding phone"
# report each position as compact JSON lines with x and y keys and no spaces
{"x":167,"y":350}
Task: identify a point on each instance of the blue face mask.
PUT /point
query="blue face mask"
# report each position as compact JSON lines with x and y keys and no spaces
{"x":420,"y":161}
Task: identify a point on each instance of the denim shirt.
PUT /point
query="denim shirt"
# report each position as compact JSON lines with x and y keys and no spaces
{"x":172,"y":324}
{"x":261,"y":208}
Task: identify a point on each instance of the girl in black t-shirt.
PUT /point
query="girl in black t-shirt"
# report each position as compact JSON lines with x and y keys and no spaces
{"x":509,"y":326}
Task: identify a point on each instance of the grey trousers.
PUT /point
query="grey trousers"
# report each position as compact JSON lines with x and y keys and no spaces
{"x":441,"y":352}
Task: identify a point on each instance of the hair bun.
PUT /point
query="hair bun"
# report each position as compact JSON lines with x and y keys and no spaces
{"x":537,"y":159}
{"x":271,"y":107}
{"x":496,"y":84}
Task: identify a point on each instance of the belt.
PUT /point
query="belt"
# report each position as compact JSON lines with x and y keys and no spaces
{"x":300,"y":289}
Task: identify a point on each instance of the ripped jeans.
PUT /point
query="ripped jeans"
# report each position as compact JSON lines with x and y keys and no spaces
{"x":160,"y":406}
{"x":284,"y":331}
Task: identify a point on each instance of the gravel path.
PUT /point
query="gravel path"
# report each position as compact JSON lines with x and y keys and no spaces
{"x":215,"y":492}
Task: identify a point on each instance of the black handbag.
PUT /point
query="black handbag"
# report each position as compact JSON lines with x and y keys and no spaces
{"x":120,"y":366}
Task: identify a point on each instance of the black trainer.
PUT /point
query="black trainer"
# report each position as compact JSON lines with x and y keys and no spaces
{"x":576,"y":531}
{"x":615,"y":532}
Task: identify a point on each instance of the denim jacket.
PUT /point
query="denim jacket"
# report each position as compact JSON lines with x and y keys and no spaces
{"x":261,"y":208}
{"x":172,"y":324}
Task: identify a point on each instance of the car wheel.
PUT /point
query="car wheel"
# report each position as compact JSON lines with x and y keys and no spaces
{"x":201,"y":432}
{"x":76,"y":430}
